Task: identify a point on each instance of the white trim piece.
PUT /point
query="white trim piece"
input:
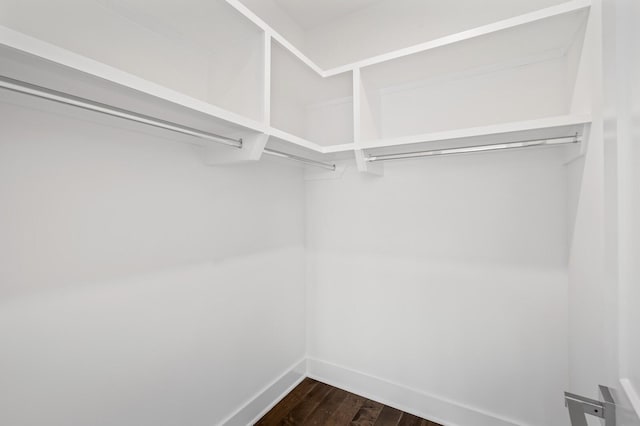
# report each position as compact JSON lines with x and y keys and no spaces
{"x":263,"y":401}
{"x":237,"y":4}
{"x":296,"y":140}
{"x":561,"y":9}
{"x":58,"y":55}
{"x":494,"y":129}
{"x":439,"y":410}
{"x":357,"y":105}
{"x":631,"y":392}
{"x":291,"y":48}
{"x":266,"y":81}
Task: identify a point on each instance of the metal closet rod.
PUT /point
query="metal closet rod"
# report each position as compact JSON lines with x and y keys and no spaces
{"x":328,"y":166}
{"x":86,"y":104}
{"x":563,"y":140}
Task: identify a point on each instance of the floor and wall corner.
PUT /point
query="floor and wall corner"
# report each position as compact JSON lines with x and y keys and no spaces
{"x":150,"y":278}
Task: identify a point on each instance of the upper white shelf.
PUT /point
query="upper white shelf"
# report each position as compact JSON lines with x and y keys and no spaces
{"x":506,"y":46}
{"x":567,"y":125}
{"x":229,"y":91}
{"x":540,"y":16}
{"x":517,"y":74}
{"x":26,"y":58}
{"x":504,"y":24}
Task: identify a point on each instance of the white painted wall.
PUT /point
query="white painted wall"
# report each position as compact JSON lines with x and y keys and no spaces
{"x":330,"y":123}
{"x":603,"y":271}
{"x":591,"y":278}
{"x":447,"y":277}
{"x":513,"y":94}
{"x":626,"y":83}
{"x":374,"y":30}
{"x":307,"y":105}
{"x":622,"y":117}
{"x":139,"y":287}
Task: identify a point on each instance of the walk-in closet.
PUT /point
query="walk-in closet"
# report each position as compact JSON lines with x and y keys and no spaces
{"x":319,"y":212}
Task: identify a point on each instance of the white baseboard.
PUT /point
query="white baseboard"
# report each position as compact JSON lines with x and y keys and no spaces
{"x":446,"y":413}
{"x":257,"y":406}
{"x":439,"y":410}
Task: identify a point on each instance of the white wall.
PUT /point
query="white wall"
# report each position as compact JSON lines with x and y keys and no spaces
{"x":626,"y":84}
{"x":374,"y":30}
{"x":537,"y":90}
{"x":138,"y":286}
{"x":591,"y":278}
{"x":307,"y":105}
{"x":622,"y":121}
{"x":330,"y":123}
{"x":448,"y":277}
{"x":603,"y":267}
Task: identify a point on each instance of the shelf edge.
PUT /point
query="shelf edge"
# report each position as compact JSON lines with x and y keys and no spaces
{"x":295,"y":140}
{"x":513,"y":22}
{"x":494,"y":129}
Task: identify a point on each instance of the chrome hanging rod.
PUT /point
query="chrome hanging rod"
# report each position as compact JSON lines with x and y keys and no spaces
{"x":64,"y":98}
{"x":564,"y":140}
{"x":328,"y":166}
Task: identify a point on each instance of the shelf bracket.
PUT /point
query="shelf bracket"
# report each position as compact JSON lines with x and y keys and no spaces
{"x":364,"y":166}
{"x":252,"y":148}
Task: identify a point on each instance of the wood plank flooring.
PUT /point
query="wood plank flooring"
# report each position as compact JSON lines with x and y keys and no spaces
{"x":314,"y":403}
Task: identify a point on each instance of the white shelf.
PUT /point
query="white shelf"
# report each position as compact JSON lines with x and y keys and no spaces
{"x":309,"y":113}
{"x":36,"y":62}
{"x":505,"y":24}
{"x":568,"y":125}
{"x":173,"y":46}
{"x":294,"y":140}
{"x":28,"y":59}
{"x":515,"y":74}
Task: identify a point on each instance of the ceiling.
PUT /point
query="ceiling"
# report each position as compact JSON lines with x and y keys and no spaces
{"x":309,"y":14}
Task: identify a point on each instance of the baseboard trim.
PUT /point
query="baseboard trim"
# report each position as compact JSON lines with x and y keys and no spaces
{"x":263,"y":401}
{"x":439,"y":410}
{"x":414,"y":401}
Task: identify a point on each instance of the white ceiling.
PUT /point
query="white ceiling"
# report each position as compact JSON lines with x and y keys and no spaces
{"x":313,"y":13}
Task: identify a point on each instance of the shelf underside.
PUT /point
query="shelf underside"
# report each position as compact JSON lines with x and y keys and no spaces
{"x":487,"y":135}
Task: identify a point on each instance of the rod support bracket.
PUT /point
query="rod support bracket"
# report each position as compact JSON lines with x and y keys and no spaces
{"x":251,"y":150}
{"x":366,"y":166}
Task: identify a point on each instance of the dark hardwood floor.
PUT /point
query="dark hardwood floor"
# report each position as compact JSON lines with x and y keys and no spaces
{"x":314,"y":403}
